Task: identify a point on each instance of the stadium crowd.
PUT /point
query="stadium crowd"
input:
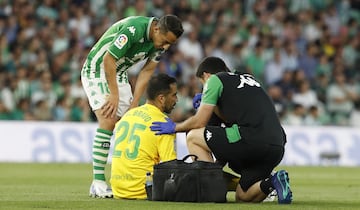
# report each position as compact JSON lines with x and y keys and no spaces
{"x":304,"y":52}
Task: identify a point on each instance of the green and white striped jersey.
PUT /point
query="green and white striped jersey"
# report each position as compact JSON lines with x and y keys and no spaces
{"x":128,"y":41}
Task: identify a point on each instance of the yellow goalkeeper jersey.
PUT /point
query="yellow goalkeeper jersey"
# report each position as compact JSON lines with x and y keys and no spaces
{"x":137,"y":149}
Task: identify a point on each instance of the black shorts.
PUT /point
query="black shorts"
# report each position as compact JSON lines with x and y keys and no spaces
{"x":254,"y":162}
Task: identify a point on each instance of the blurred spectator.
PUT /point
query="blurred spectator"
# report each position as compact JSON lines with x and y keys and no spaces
{"x":224,"y":50}
{"x":8,"y":96}
{"x":279,"y":100}
{"x":299,"y":39}
{"x":36,"y":79}
{"x":44,"y":94}
{"x":5,"y":50}
{"x":194,"y":86}
{"x":172,"y":65}
{"x":305,"y":95}
{"x":11,"y":28}
{"x":61,"y":111}
{"x":352,"y":28}
{"x":237,"y":57}
{"x":295,"y":116}
{"x":254,"y":39}
{"x":62,"y":86}
{"x":207,"y":27}
{"x":80,"y":111}
{"x":42,"y":41}
{"x":274,"y":70}
{"x":332,"y":20}
{"x":182,"y":9}
{"x":99,"y":6}
{"x":286,"y":85}
{"x":298,"y":78}
{"x":354,"y":119}
{"x":255,"y":63}
{"x":136,"y":8}
{"x":23,"y":84}
{"x":157,"y":8}
{"x":80,"y":22}
{"x":323,"y":67}
{"x":308,"y":61}
{"x":46,"y":10}
{"x":42,"y":63}
{"x":77,"y":91}
{"x":190,"y":47}
{"x":61,"y":40}
{"x":351,"y":55}
{"x":288,"y":30}
{"x":316,"y":117}
{"x":327,"y":44}
{"x":4,"y":112}
{"x":340,"y":99}
{"x":297,"y":6}
{"x":22,"y":111}
{"x":42,"y":111}
{"x":289,"y":56}
{"x":312,"y":26}
{"x":184,"y":106}
{"x":189,"y":69}
{"x":211,"y":45}
{"x":321,"y":86}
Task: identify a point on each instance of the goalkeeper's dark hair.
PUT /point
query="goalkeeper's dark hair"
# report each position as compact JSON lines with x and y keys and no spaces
{"x":159,"y":84}
{"x":211,"y":65}
{"x":171,"y":23}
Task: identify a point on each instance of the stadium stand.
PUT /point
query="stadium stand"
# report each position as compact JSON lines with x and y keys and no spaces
{"x":313,"y":45}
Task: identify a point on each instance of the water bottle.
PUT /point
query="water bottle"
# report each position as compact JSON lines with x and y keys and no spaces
{"x":148,"y":186}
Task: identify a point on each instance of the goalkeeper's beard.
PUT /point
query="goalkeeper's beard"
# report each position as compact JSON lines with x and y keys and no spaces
{"x":168,"y":110}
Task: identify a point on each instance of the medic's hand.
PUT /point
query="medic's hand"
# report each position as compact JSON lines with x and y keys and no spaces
{"x":167,"y":127}
{"x":197,"y":100}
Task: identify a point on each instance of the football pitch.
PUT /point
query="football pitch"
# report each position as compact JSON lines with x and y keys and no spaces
{"x":65,"y":186}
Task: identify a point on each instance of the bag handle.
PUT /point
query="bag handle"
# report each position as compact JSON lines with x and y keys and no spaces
{"x":190,"y":155}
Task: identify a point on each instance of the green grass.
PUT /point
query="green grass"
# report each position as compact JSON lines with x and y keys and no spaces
{"x":65,"y":186}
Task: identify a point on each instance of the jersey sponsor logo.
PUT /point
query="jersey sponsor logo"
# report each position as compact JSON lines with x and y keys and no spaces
{"x":248,"y":80}
{"x":132,"y":30}
{"x":208,"y":135}
{"x":121,"y":41}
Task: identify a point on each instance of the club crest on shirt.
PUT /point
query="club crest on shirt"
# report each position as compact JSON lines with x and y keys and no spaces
{"x":121,"y":41}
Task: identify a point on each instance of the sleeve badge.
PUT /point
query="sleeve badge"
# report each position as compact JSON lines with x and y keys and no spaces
{"x":121,"y":41}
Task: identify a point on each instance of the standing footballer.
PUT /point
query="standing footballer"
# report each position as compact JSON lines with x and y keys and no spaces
{"x":105,"y":79}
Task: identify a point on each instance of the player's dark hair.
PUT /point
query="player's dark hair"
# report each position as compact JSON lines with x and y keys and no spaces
{"x":171,"y":23}
{"x":159,"y":84}
{"x":211,"y":65}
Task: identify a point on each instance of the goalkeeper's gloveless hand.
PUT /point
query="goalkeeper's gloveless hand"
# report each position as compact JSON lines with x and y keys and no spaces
{"x":167,"y":127}
{"x":197,"y":100}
